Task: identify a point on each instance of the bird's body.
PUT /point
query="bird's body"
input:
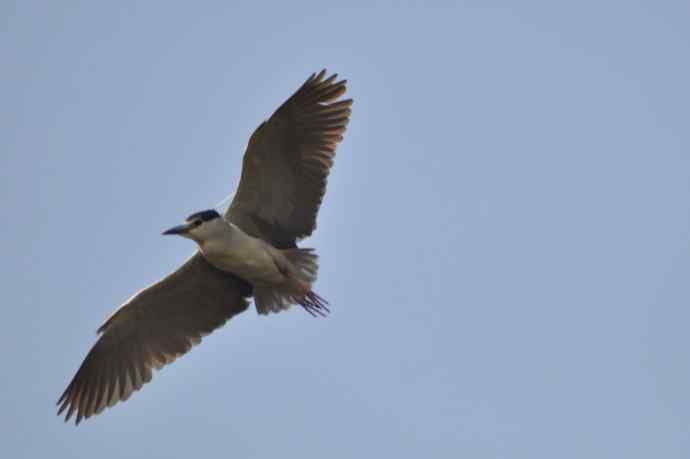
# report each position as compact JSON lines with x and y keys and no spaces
{"x":232,"y":250}
{"x":247,"y":257}
{"x":251,"y":250}
{"x":280,"y":278}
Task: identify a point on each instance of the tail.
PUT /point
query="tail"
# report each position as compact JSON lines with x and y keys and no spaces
{"x":297,"y":289}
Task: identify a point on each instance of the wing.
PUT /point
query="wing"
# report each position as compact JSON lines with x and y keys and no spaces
{"x":151,"y":330}
{"x":287,"y":161}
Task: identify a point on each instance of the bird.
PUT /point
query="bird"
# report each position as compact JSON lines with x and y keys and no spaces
{"x":249,"y":251}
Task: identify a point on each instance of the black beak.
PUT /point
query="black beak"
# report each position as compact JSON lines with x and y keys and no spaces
{"x":179,"y":229}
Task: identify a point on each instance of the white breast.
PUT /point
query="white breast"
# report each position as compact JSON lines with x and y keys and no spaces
{"x":238,"y":253}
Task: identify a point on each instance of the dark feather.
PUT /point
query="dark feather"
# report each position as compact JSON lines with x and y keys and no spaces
{"x":287,"y":162}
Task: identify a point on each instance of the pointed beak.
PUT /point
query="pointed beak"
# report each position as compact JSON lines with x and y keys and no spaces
{"x":179,"y":229}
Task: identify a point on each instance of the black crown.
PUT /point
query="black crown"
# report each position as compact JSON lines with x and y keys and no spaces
{"x":204,"y":215}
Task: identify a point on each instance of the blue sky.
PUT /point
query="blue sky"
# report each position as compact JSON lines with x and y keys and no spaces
{"x":505,"y":241}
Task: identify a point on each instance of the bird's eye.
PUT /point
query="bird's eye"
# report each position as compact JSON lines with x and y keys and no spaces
{"x":197,"y":222}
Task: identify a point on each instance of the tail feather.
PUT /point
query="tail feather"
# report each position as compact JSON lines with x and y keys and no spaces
{"x":304,"y":264}
{"x":270,"y":300}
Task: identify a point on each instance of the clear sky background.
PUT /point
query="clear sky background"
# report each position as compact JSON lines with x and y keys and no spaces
{"x":505,"y":240}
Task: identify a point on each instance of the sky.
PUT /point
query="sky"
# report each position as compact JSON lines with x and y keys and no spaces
{"x":505,"y":240}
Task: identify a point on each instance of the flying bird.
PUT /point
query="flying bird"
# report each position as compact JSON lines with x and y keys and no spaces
{"x":251,"y":250}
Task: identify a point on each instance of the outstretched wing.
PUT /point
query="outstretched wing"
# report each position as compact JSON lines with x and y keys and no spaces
{"x":152,"y":329}
{"x":287,"y":162}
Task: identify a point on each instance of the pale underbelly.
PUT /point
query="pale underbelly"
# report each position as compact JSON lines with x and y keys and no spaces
{"x":257,"y":269}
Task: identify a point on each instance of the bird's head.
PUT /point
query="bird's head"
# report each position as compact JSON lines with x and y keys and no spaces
{"x":199,"y":226}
